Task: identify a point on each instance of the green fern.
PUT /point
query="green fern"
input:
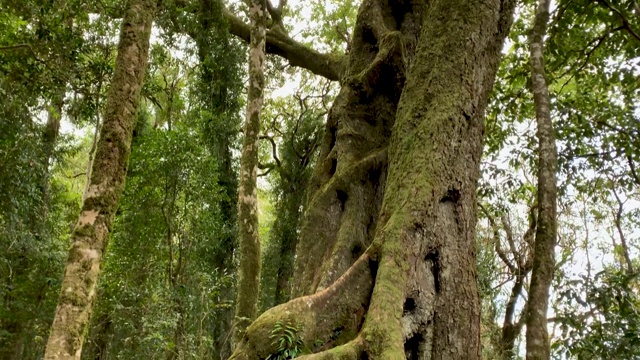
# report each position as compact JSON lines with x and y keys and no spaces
{"x":288,"y":340}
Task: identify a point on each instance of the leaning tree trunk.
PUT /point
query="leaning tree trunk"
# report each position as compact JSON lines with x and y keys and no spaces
{"x":546,"y":232}
{"x":249,"y":269}
{"x":386,"y":263}
{"x":91,"y":233}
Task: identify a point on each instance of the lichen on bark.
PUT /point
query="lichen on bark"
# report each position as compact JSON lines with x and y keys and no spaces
{"x":90,"y":235}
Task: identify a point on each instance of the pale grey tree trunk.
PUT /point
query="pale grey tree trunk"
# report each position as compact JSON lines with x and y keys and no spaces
{"x":544,"y":253}
{"x":91,"y":232}
{"x":249,"y":269}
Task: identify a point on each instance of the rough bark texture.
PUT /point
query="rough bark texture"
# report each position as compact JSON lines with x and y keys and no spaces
{"x":90,"y":235}
{"x":413,"y":98}
{"x":249,"y":269}
{"x":543,"y":259}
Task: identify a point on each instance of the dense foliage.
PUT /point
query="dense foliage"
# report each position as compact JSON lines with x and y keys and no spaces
{"x":168,"y":281}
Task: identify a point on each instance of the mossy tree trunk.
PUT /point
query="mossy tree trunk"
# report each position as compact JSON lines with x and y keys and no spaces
{"x":386,"y":260}
{"x":220,"y":88}
{"x":546,"y":232}
{"x":249,"y":269}
{"x":90,"y":235}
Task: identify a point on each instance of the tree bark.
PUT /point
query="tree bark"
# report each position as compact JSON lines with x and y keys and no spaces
{"x":249,"y":269}
{"x":546,"y":232}
{"x":90,"y":235}
{"x":386,"y":263}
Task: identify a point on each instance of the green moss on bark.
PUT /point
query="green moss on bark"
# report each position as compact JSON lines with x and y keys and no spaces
{"x":428,"y":97}
{"x":90,"y":236}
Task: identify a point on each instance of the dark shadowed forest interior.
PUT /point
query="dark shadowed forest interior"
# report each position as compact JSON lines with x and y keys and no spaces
{"x":320,"y":179}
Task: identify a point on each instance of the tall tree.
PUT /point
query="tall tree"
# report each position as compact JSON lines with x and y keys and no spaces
{"x":249,"y":269}
{"x":293,"y":135}
{"x":91,"y":232}
{"x":397,"y":246}
{"x":546,"y":232}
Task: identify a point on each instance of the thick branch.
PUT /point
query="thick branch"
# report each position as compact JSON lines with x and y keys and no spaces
{"x":279,"y":43}
{"x":273,"y":148}
{"x":276,"y":12}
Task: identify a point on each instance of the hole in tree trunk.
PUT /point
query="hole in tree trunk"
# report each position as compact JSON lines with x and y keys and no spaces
{"x":334,"y":166}
{"x":434,"y":258}
{"x":356,"y":251}
{"x":369,"y":38}
{"x":412,"y":347}
{"x":453,"y":195}
{"x":399,"y":8}
{"x":409,"y":306}
{"x":342,"y":197}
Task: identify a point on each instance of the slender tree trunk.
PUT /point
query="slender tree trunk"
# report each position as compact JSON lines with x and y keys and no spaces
{"x":52,"y":128}
{"x":393,"y":253}
{"x":511,"y":328}
{"x":100,"y":337}
{"x":617,"y":215}
{"x":288,"y":243}
{"x":94,"y":143}
{"x":49,"y":139}
{"x":90,"y":235}
{"x":218,"y":94}
{"x":249,"y":270}
{"x":546,"y":232}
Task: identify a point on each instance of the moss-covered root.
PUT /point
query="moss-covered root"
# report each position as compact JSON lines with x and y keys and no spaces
{"x":324,"y":320}
{"x":354,"y":349}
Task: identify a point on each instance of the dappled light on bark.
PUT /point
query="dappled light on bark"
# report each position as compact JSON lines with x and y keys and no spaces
{"x":91,"y":233}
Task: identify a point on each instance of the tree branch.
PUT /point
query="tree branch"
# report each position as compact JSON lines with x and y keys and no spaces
{"x":273,"y":147}
{"x":276,"y":12}
{"x":279,"y":43}
{"x":623,"y":241}
{"x":625,"y":21}
{"x":632,"y":167}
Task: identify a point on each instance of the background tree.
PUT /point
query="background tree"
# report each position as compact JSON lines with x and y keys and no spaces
{"x":91,"y":233}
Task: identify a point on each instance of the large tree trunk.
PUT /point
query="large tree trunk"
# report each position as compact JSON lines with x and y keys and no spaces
{"x":397,"y":246}
{"x":249,"y":269}
{"x":546,"y":232}
{"x":90,"y":235}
